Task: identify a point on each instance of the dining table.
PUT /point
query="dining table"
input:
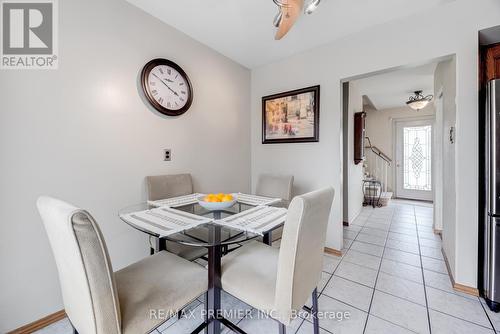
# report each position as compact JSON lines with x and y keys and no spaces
{"x":188,"y":223}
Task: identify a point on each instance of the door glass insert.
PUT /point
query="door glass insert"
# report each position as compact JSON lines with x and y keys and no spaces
{"x":417,"y":158}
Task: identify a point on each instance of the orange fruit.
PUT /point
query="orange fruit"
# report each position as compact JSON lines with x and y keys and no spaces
{"x":227,"y":198}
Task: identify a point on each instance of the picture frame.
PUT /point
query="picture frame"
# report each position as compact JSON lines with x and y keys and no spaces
{"x":291,"y":117}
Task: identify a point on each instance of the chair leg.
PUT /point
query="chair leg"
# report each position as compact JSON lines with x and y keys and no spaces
{"x":206,"y":311}
{"x":268,"y":238}
{"x":282,"y":328}
{"x":314,"y":312}
{"x":153,"y":243}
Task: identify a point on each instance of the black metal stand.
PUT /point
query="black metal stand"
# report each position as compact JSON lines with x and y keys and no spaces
{"x":370,"y":190}
{"x":232,"y":326}
{"x":201,"y":327}
{"x":213,"y":321}
{"x":214,"y":282}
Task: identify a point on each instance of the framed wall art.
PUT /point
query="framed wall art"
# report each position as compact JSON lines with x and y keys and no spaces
{"x":291,"y":117}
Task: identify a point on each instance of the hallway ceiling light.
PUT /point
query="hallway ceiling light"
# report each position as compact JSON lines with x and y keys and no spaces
{"x":418,"y":101}
{"x":288,"y":12}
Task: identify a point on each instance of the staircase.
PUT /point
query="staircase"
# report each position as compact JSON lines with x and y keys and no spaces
{"x":376,"y":169}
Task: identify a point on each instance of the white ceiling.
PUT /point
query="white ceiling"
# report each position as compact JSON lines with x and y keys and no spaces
{"x":242,"y":29}
{"x":392,"y":89}
{"x":489,"y":36}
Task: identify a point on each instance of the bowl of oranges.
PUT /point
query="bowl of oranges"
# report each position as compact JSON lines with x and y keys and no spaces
{"x":214,"y":202}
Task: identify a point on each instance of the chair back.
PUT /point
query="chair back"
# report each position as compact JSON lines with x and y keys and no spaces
{"x":301,"y":252}
{"x":85,"y":271}
{"x":279,"y":186}
{"x":167,"y":186}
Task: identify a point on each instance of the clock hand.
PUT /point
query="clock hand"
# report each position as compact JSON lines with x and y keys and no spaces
{"x":175,"y":93}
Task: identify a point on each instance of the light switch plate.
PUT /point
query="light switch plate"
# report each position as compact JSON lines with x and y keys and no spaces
{"x":167,"y":155}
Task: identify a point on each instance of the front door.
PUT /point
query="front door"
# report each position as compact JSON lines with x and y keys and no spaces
{"x":414,"y":159}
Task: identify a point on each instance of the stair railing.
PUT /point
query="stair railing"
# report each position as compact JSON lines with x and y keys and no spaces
{"x":378,"y":163}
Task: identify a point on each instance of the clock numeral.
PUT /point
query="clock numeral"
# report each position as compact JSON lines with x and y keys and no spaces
{"x":176,"y":104}
{"x":169,"y":105}
{"x":169,"y":71}
{"x":154,"y":92}
{"x":161,"y":70}
{"x":181,"y":99}
{"x":161,"y":100}
{"x":183,"y":92}
{"x":181,"y":84}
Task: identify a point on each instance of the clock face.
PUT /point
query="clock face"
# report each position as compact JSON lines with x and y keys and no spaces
{"x":167,"y":87}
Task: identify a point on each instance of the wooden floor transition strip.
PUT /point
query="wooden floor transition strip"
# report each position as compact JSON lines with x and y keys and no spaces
{"x":332,"y":251}
{"x":39,"y":324}
{"x":456,"y":286}
{"x":466,"y":289}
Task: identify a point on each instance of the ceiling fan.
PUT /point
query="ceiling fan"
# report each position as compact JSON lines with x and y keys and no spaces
{"x":288,"y":12}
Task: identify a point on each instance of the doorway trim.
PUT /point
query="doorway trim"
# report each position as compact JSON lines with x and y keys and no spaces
{"x":360,"y":75}
{"x":438,"y":154}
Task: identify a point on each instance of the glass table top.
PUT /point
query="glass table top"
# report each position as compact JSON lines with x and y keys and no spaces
{"x":203,"y":235}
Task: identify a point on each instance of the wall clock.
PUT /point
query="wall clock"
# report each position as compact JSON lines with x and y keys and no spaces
{"x":167,"y":87}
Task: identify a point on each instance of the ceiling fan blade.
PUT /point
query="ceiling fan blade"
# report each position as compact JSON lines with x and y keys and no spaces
{"x":291,"y":13}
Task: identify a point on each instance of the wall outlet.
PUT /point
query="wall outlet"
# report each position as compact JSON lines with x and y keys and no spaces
{"x":167,"y":155}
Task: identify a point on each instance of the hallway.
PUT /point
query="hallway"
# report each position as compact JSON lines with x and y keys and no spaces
{"x":395,"y":250}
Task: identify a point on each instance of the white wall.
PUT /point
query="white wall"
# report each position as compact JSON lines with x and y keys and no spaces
{"x":379,"y":127}
{"x":446,"y":30}
{"x":445,"y":80}
{"x":82,"y":133}
{"x":355,"y":176}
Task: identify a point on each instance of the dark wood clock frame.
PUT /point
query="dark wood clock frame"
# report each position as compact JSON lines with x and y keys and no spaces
{"x":149,"y":96}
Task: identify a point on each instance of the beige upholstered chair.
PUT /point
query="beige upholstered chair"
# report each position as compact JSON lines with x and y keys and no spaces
{"x":279,"y":186}
{"x":98,"y":301}
{"x":280,"y":281}
{"x":167,"y":186}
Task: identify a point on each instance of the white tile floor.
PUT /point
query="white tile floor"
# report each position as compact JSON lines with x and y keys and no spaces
{"x":391,"y":279}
